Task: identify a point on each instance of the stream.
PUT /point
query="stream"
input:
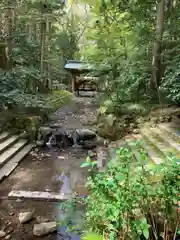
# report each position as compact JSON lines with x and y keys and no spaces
{"x":68,"y":174}
{"x":52,"y":169}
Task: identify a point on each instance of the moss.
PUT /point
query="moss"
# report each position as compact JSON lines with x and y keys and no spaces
{"x":27,"y":124}
{"x":58,"y":98}
{"x":28,"y":120}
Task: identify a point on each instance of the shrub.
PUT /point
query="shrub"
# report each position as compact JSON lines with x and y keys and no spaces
{"x":171,"y":85}
{"x":126,"y":204}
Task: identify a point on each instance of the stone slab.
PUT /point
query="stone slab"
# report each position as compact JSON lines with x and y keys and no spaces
{"x":8,"y":142}
{"x":36,"y":195}
{"x":4,"y":136}
{"x":7,"y":169}
{"x":10,"y":152}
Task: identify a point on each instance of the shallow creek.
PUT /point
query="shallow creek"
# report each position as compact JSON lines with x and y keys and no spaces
{"x":51,"y":170}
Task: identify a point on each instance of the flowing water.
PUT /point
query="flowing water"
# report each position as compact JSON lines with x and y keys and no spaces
{"x":72,"y":177}
{"x":52,"y":169}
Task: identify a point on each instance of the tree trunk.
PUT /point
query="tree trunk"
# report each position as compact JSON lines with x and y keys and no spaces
{"x":3,"y":57}
{"x":48,"y":37}
{"x":156,"y":58}
{"x":42,"y":44}
{"x":9,"y":20}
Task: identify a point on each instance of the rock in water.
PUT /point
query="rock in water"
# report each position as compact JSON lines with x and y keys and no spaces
{"x":25,"y":217}
{"x":8,"y":237}
{"x":40,"y":219}
{"x":40,"y":143}
{"x":43,"y":229}
{"x":91,"y":153}
{"x":62,"y":138}
{"x":89,"y":145}
{"x":2,"y":234}
{"x":56,"y":125}
{"x":44,"y":132}
{"x":85,"y":134}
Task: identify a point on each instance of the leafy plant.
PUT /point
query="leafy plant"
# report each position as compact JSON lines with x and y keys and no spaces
{"x":126,"y":204}
{"x":171,"y":84}
{"x":92,"y":236}
{"x":89,"y":163}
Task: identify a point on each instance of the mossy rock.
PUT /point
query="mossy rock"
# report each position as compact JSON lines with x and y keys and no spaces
{"x":28,"y":124}
{"x":109,"y":127}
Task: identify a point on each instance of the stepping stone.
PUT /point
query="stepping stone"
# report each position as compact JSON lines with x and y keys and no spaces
{"x":36,"y":195}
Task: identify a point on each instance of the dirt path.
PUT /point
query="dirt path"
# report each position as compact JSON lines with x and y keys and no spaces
{"x":40,"y":172}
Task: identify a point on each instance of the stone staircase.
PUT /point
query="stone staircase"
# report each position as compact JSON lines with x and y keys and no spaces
{"x":12,"y":150}
{"x":159,"y":141}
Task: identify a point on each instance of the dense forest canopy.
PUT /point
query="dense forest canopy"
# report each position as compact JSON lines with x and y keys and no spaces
{"x":137,"y":40}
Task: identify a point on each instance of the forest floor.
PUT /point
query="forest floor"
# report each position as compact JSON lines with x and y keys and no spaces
{"x":40,"y":170}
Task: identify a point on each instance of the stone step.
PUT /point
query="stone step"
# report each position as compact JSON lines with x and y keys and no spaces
{"x":102,"y":158}
{"x":7,"y":169}
{"x":131,"y":143}
{"x":157,"y":143}
{"x":4,"y":136}
{"x":171,"y":129}
{"x":167,"y":139}
{"x":8,"y":142}
{"x":11,"y":151}
{"x":114,"y":146}
{"x":155,"y":157}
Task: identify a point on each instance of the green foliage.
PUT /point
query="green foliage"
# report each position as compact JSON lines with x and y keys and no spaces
{"x":58,"y":98}
{"x":124,"y":202}
{"x":23,"y":103}
{"x":171,"y":84}
{"x":89,"y":163}
{"x":123,"y":35}
{"x":13,"y":93}
{"x":92,"y":236}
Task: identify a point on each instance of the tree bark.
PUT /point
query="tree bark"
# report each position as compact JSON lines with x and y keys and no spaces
{"x":156,"y":58}
{"x":3,"y":57}
{"x":9,"y":19}
{"x":48,"y":38}
{"x":42,"y":44}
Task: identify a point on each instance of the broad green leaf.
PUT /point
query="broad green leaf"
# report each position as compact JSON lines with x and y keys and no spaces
{"x":85,"y":164}
{"x":146,"y":233}
{"x":92,"y":236}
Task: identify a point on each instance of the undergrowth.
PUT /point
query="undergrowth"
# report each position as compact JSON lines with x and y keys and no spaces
{"x":134,"y":200}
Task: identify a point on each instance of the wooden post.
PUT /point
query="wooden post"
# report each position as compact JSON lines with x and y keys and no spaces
{"x":73,"y":83}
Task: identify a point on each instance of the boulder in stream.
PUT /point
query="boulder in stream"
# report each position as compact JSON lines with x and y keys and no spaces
{"x":2,"y":234}
{"x":44,"y":132}
{"x":43,"y":229}
{"x":89,"y":145}
{"x":40,"y":143}
{"x":85,"y":134}
{"x":25,"y":217}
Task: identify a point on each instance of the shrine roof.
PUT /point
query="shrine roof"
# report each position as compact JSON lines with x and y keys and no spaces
{"x":78,"y":65}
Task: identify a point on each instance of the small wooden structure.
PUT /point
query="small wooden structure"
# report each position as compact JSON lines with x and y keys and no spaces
{"x":77,"y":68}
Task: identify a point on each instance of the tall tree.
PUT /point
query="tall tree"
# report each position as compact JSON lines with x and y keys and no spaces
{"x":157,"y":48}
{"x":9,"y":31}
